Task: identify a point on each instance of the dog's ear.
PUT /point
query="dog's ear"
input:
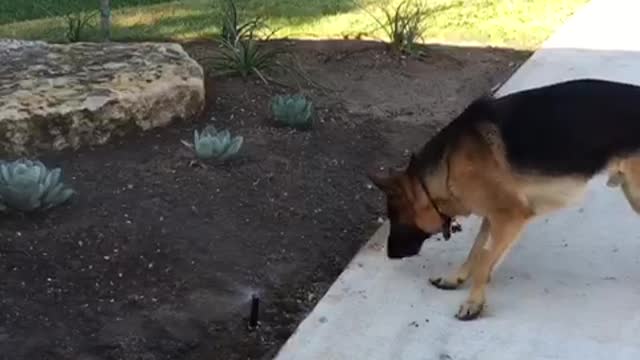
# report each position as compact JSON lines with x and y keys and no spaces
{"x":413,"y":161}
{"x":412,"y":166}
{"x":380,"y":180}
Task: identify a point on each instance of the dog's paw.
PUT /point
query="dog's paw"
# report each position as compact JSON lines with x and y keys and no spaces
{"x":470,"y":310}
{"x":445,"y":283}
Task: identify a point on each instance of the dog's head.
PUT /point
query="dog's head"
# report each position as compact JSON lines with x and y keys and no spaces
{"x":412,"y":216}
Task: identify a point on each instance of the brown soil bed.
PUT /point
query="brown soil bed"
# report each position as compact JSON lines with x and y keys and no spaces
{"x":157,"y":259}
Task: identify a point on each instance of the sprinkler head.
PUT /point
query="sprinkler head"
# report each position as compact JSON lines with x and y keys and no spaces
{"x":255,"y":309}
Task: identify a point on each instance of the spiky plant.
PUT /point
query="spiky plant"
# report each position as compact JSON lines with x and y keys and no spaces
{"x":245,"y":57}
{"x":27,"y":186}
{"x":233,"y":28}
{"x":404,"y":25}
{"x":241,"y":53}
{"x":292,"y":110}
{"x":213,"y":144}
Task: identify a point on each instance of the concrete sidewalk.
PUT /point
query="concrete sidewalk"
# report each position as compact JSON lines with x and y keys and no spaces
{"x":569,"y":290}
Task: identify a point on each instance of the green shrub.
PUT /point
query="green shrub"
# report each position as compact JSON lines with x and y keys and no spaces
{"x":76,"y":24}
{"x":292,"y":110}
{"x":77,"y":16}
{"x":27,"y":186}
{"x":213,"y":144}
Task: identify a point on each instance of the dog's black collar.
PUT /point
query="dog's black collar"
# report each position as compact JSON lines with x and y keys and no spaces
{"x":446,"y":219}
{"x":448,"y":224}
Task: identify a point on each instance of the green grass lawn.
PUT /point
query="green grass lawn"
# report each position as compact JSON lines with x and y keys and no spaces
{"x":512,"y":23}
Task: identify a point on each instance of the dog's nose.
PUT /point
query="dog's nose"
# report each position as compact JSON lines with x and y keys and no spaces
{"x":404,"y":241}
{"x":399,"y":249}
{"x":394,"y":254}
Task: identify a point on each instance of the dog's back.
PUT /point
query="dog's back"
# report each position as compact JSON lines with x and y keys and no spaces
{"x":569,"y":128}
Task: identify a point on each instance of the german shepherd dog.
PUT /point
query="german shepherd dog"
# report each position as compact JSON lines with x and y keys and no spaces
{"x":508,"y":160}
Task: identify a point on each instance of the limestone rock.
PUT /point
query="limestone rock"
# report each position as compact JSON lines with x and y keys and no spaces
{"x":57,"y":96}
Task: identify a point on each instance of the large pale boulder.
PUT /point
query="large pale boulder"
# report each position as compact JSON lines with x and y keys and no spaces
{"x":56,"y":96}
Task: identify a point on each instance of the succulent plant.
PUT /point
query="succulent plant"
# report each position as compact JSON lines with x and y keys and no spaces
{"x":292,"y":110}
{"x":27,"y":185}
{"x":211,"y":143}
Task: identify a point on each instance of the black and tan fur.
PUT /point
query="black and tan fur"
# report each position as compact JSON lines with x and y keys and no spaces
{"x":509,"y":160}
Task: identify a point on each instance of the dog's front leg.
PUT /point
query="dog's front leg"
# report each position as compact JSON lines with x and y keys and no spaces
{"x":458,"y":277}
{"x":504,"y":230}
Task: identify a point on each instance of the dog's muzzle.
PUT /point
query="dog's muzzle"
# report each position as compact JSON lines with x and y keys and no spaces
{"x":405,"y":241}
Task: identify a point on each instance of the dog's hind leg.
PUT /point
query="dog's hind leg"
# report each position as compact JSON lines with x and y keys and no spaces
{"x":458,"y":277}
{"x":627,"y":176}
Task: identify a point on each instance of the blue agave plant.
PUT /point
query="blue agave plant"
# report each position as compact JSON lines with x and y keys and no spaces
{"x":27,"y":185}
{"x":292,"y":110}
{"x":213,"y":144}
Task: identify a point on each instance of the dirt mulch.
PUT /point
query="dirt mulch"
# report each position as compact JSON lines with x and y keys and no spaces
{"x":156,"y":258}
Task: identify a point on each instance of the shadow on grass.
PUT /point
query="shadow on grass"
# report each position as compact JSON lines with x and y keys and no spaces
{"x":278,"y":14}
{"x":15,"y":11}
{"x":195,"y":16}
{"x":192,"y":19}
